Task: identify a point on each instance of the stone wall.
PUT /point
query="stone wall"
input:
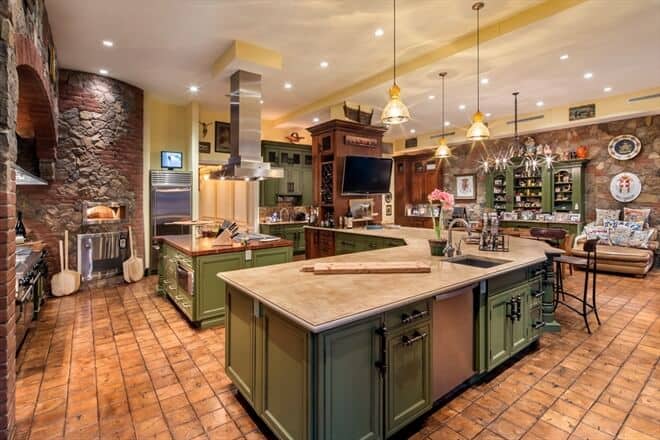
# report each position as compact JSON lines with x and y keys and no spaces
{"x":25,"y":40}
{"x":600,"y":169}
{"x":98,"y":158}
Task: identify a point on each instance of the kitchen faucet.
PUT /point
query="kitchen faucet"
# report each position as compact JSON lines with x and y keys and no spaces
{"x":449,"y":250}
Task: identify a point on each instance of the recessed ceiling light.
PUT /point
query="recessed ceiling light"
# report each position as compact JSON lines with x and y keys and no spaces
{"x":488,"y":115}
{"x":288,"y":85}
{"x":324,"y":64}
{"x":461,"y":107}
{"x":193,"y":89}
{"x":261,"y":101}
{"x":564,"y":57}
{"x":607,"y":89}
{"x":103,"y":71}
{"x":379,"y":32}
{"x":447,"y":123}
{"x":540,"y":103}
{"x":108,"y":43}
{"x":431,"y":96}
{"x":315,"y":120}
{"x":484,"y":80}
{"x":588,"y":75}
{"x":413,"y":131}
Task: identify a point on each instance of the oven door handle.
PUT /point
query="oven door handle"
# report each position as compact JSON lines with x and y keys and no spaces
{"x":189,"y":275}
{"x":27,"y":294}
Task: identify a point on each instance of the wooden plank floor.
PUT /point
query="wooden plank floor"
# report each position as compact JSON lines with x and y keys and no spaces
{"x":122,"y":363}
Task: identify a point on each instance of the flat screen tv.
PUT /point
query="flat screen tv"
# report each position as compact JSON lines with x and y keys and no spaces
{"x":366,"y":175}
{"x":171,"y":160}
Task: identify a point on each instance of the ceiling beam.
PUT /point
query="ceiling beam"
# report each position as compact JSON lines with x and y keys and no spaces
{"x":507,"y":25}
{"x":246,"y":56}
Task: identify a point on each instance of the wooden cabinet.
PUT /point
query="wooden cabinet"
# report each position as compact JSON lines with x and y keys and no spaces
{"x":560,"y":189}
{"x":416,"y":176}
{"x":296,"y":160}
{"x":205,"y":305}
{"x":325,"y":243}
{"x":241,"y":341}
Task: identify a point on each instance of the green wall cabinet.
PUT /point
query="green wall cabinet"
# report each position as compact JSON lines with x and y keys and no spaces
{"x":291,"y":231}
{"x":296,"y":160}
{"x":206,"y":306}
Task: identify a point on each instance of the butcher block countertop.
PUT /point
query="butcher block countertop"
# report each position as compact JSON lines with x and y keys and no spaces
{"x":322,"y":302}
{"x":204,"y":246}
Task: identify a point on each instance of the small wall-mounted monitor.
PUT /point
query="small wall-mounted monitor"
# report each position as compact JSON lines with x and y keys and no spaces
{"x":171,"y":160}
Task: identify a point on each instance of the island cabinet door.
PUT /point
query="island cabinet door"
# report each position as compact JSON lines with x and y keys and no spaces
{"x":408,"y":376}
{"x":499,"y":332}
{"x":210,"y":290}
{"x":349,"y":382}
{"x":283,"y":376}
{"x":520,"y":322}
{"x":240,"y":354}
{"x":267,"y":257}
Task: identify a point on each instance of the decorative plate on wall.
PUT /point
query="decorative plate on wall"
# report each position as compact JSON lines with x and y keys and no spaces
{"x":625,"y":187}
{"x":624,"y":147}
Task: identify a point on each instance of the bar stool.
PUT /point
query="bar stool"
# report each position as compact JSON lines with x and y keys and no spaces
{"x":554,"y":236}
{"x":589,"y":266}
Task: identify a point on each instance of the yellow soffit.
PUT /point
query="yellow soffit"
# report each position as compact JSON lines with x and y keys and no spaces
{"x":462,"y":43}
{"x":244,"y":55}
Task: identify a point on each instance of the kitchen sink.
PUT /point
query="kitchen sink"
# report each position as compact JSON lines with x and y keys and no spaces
{"x":474,"y":261}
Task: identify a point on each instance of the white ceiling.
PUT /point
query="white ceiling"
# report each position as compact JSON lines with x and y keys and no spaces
{"x":163,"y":46}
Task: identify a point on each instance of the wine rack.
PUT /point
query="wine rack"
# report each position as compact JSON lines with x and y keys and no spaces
{"x":327,"y":174}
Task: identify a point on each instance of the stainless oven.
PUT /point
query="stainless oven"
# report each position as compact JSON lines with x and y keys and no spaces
{"x":25,"y":307}
{"x":185,"y":278}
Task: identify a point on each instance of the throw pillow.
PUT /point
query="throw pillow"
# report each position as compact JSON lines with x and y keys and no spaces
{"x":600,"y":232}
{"x":621,"y":235}
{"x":616,"y":223}
{"x":640,"y":239}
{"x":606,"y":214}
{"x":637,"y":215}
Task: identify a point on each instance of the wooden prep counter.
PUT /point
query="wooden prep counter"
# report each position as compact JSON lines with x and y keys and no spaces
{"x":187,"y":271}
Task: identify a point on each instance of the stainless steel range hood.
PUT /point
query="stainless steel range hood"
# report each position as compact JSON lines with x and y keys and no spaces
{"x":25,"y":178}
{"x":245,"y":162}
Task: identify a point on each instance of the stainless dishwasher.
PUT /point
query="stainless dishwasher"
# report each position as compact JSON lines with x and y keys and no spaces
{"x":453,"y":340}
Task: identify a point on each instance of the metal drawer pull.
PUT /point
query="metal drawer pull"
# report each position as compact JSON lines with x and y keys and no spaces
{"x":405,"y":319}
{"x":382,"y":363}
{"x":410,"y":340}
{"x":518,"y":307}
{"x":538,"y":293}
{"x":538,"y":324}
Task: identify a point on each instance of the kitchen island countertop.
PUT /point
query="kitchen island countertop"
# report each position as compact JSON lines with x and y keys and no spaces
{"x":204,"y":246}
{"x":322,"y":302}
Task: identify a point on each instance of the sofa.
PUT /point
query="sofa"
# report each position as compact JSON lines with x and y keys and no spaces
{"x":626,"y":247}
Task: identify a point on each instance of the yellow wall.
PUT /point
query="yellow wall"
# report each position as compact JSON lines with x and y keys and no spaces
{"x":613,"y":107}
{"x":167,"y":130}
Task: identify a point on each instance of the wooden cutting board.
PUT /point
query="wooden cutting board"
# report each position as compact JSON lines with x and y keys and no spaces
{"x":362,"y":268}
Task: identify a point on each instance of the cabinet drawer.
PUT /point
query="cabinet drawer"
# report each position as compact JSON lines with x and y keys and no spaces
{"x":411,"y":314}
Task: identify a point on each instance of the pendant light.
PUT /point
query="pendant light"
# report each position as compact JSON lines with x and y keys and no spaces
{"x":395,"y":112}
{"x":478,"y":131}
{"x":443,"y":151}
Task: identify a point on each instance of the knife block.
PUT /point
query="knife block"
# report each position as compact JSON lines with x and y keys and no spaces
{"x":224,"y":239}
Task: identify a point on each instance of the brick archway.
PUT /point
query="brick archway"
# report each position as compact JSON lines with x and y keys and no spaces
{"x":35,"y":118}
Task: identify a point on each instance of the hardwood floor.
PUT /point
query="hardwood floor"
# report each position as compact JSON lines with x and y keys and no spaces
{"x":122,"y":363}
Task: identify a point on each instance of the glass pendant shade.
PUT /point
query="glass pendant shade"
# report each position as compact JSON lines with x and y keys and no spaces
{"x":395,"y":112}
{"x":478,"y":131}
{"x":443,"y":151}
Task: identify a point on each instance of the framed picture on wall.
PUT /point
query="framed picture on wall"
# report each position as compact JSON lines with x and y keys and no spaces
{"x":205,"y":147}
{"x":222,"y":137}
{"x":466,"y":187}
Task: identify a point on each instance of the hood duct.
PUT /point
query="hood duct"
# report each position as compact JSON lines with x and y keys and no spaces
{"x":245,"y":162}
{"x":26,"y":178}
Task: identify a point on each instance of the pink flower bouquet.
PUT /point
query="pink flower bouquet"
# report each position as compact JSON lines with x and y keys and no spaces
{"x":446,"y":201}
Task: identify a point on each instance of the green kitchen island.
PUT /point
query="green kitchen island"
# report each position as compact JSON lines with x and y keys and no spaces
{"x":358,"y":356}
{"x":187,"y":269}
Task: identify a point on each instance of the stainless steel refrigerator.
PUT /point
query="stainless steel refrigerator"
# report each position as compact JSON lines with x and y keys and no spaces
{"x":171,"y":201}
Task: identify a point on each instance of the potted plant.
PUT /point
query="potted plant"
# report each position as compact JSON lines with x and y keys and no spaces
{"x":439,"y":200}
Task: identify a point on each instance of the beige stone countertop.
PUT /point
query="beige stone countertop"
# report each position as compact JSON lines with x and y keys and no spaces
{"x":322,"y":302}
